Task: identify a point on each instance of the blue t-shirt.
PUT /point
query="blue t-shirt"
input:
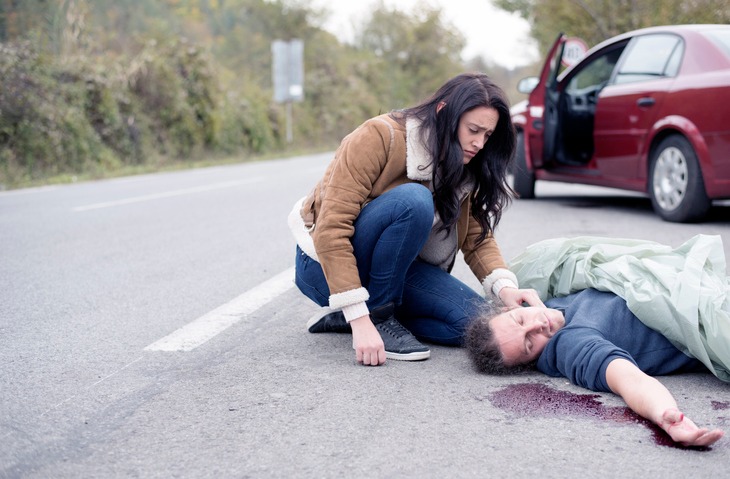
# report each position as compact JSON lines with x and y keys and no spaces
{"x":599,"y":328}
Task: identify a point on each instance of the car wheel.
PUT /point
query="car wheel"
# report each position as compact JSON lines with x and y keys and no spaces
{"x":676,"y":187}
{"x":523,"y":181}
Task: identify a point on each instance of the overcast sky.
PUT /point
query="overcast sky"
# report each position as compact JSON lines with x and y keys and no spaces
{"x":490,"y":32}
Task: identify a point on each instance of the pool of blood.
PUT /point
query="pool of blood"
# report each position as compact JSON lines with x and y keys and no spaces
{"x":531,"y":398}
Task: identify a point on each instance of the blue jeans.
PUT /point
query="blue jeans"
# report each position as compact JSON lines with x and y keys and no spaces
{"x":389,"y":233}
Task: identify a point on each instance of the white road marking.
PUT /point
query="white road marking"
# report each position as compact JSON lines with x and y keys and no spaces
{"x":167,"y":194}
{"x":211,"y":324}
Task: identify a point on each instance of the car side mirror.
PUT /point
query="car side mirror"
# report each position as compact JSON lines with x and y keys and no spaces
{"x":526,"y":85}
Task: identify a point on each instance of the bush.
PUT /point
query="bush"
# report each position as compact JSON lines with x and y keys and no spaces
{"x":43,"y":127}
{"x":94,"y":114}
{"x":156,"y":81}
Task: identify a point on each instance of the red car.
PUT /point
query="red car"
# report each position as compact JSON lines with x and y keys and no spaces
{"x":648,"y":111}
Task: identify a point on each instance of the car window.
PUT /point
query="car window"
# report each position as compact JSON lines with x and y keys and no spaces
{"x":555,"y":66}
{"x":674,"y":62}
{"x":649,"y":57}
{"x":596,"y":73}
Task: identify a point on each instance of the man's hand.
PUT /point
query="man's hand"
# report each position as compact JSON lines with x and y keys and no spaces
{"x":648,"y":398}
{"x":682,"y":430}
{"x":513,"y":297}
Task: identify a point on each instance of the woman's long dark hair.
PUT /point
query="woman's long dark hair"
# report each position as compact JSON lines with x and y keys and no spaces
{"x":489,"y":167}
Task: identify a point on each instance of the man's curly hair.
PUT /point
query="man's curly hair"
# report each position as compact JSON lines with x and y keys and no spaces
{"x":482,"y":347}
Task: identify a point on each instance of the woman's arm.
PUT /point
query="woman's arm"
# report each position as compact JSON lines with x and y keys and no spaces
{"x":650,"y":399}
{"x":345,"y":187}
{"x":486,"y":262}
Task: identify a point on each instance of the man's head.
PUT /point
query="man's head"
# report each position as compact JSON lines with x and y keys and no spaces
{"x":508,"y":341}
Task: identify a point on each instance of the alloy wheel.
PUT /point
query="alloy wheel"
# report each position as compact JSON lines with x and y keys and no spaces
{"x":670,"y":178}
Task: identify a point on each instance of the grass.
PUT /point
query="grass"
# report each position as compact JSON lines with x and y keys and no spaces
{"x":160,"y":166}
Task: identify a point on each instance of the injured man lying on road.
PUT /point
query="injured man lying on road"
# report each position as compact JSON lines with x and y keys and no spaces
{"x":618,"y":312}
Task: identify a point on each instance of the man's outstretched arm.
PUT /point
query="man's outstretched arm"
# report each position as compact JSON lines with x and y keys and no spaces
{"x":649,"y":398}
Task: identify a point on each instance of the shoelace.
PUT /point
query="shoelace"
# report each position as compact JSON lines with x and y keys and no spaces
{"x":395,"y":329}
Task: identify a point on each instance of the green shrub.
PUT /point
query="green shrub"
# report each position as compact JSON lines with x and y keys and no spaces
{"x":158,"y":88}
{"x":43,"y":128}
{"x":94,"y":114}
{"x":246,"y":125}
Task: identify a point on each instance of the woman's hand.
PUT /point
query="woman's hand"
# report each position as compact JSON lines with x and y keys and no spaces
{"x":513,"y":297}
{"x":366,"y":340}
{"x":682,"y":430}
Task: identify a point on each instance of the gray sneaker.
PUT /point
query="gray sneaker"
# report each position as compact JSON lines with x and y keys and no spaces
{"x":328,"y":321}
{"x":399,"y":343}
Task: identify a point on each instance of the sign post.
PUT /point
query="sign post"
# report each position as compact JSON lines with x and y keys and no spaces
{"x":288,"y":76}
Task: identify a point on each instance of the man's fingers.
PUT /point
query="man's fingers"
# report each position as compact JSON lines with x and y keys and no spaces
{"x":708,"y":437}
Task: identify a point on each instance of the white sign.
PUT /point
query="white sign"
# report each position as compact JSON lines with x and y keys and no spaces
{"x":288,"y":70}
{"x":573,"y":51}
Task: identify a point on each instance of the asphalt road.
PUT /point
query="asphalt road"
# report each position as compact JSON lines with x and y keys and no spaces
{"x":94,"y":277}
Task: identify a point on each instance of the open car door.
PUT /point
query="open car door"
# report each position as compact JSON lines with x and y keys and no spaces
{"x":542,"y":125}
{"x":549,"y":78}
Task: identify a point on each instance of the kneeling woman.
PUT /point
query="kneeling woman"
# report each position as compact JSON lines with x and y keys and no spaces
{"x":378,"y":235}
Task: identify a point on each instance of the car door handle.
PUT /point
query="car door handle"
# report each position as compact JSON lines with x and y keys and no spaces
{"x":645,"y":102}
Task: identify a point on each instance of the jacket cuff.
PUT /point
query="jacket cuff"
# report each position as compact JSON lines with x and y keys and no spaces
{"x":498,"y":279}
{"x":355,"y":311}
{"x":349,"y":298}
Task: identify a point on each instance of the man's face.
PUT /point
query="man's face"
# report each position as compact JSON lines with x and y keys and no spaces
{"x":522,"y":333}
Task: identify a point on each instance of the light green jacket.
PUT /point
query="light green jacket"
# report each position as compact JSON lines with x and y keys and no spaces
{"x":683,"y":293}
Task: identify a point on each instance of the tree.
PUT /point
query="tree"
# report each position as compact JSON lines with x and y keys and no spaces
{"x":598,"y":20}
{"x":91,"y":83}
{"x":418,"y":51}
{"x":43,"y":20}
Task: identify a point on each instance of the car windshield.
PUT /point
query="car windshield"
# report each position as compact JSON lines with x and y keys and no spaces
{"x":721,"y":38}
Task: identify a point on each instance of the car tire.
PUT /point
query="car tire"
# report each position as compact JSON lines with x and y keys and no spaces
{"x":523,"y":180}
{"x":676,"y":187}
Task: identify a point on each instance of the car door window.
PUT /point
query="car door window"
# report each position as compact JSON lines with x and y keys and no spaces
{"x":650,"y":57}
{"x":574,"y":142}
{"x":596,"y":74}
{"x":674,"y":62}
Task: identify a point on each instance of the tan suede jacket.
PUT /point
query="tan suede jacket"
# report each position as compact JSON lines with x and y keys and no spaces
{"x":375,"y":158}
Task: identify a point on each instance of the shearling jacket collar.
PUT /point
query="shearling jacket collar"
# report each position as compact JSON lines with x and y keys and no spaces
{"x":419,"y":166}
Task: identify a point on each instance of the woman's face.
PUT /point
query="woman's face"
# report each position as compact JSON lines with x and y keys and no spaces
{"x":522,"y":333}
{"x":475,"y":128}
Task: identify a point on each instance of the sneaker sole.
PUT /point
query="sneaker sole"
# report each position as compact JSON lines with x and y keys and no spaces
{"x":417,"y":356}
